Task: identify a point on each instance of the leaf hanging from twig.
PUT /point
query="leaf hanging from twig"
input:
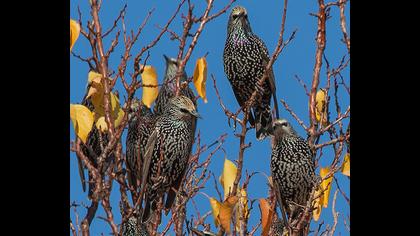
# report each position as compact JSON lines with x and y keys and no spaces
{"x":321,"y":111}
{"x":266,"y":216}
{"x":96,"y":94}
{"x":200,"y":77}
{"x":150,"y":83}
{"x":74,"y":32}
{"x":215,"y":207}
{"x":225,"y":213}
{"x":82,"y":120}
{"x":228,"y":176}
{"x":345,"y":169}
{"x":326,"y":185}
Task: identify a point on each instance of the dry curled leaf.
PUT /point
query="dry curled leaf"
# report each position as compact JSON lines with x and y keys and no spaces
{"x":74,"y":32}
{"x":322,"y":193}
{"x":117,"y":111}
{"x":150,"y":85}
{"x":228,"y":177}
{"x":96,"y":94}
{"x":82,"y":119}
{"x":200,"y":77}
{"x":215,"y":207}
{"x":345,"y":169}
{"x":100,"y":124}
{"x":326,"y":185}
{"x":266,"y":216}
{"x":321,"y":111}
{"x":96,"y":89}
{"x":225,"y":213}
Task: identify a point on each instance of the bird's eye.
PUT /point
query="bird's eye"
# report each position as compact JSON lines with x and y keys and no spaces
{"x":235,"y":16}
{"x":285,"y":124}
{"x":184,"y":110}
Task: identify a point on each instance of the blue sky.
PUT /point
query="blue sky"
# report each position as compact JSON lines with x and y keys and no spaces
{"x":296,"y":59}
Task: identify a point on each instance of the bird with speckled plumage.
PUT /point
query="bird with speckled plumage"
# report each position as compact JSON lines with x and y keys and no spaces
{"x":292,"y":167}
{"x":277,"y":227}
{"x":141,"y":122}
{"x":167,"y":153}
{"x":245,"y":57}
{"x":132,"y":228}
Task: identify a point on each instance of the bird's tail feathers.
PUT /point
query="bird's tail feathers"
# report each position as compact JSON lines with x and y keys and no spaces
{"x":263,"y":122}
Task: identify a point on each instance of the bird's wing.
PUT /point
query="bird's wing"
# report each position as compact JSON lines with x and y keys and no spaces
{"x":172,"y":194}
{"x":151,"y":142}
{"x":148,"y":156}
{"x":280,"y":201}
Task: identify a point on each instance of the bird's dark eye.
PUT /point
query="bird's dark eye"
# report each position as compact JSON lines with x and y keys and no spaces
{"x":285,"y":124}
{"x":184,"y":110}
{"x":235,"y":16}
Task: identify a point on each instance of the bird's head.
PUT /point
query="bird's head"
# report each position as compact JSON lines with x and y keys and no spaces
{"x":182,"y":107}
{"x":238,"y":20}
{"x":171,"y":68}
{"x":282,"y":128}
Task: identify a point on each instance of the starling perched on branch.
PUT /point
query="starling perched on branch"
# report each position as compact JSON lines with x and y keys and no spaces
{"x":95,"y":143}
{"x":277,"y":227}
{"x":132,"y":228}
{"x":245,"y":58}
{"x":141,"y":122}
{"x":167,"y":153}
{"x":292,"y":167}
{"x":168,"y":89}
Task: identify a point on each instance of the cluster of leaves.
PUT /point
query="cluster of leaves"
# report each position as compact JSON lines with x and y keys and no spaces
{"x":83,"y":119}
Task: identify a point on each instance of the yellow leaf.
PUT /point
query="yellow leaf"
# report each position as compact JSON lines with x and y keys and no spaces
{"x":228,"y":176}
{"x":94,"y":77}
{"x":321,"y":112}
{"x":317,"y":204}
{"x":225,"y":213}
{"x":325,"y":185}
{"x":74,"y":32}
{"x":120,"y":115}
{"x":117,"y":111}
{"x":345,"y":169}
{"x":149,"y":77}
{"x":96,"y":94}
{"x":215,"y":207}
{"x":221,"y":180}
{"x":96,"y":90}
{"x":101,"y":124}
{"x":82,"y":119}
{"x":200,"y":77}
{"x":266,"y":216}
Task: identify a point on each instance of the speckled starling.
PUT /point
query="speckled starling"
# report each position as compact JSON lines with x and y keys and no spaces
{"x":132,"y":228}
{"x":277,"y":227}
{"x":168,"y":88}
{"x":168,"y":150}
{"x":141,"y":122}
{"x":245,"y":57}
{"x":292,"y":167}
{"x":95,"y":143}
